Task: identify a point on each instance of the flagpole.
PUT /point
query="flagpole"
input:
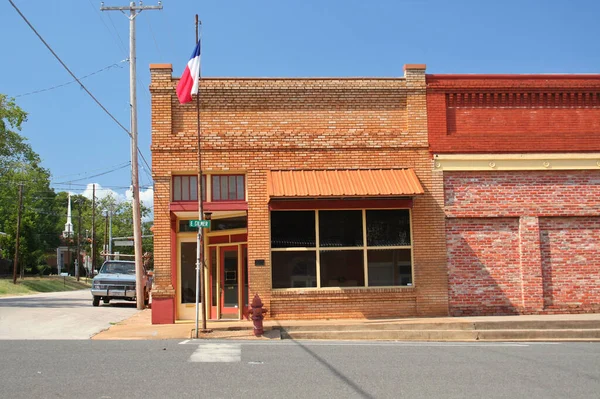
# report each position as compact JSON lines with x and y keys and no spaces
{"x":200,"y":241}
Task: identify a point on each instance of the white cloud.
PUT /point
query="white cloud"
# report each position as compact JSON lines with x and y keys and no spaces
{"x":102,"y":193}
{"x":146,"y":198}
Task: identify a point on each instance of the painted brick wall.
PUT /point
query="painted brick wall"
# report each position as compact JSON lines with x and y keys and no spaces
{"x":514,"y":113}
{"x":254,"y":125}
{"x":571,"y":263}
{"x":540,"y":193}
{"x":484,"y":274}
{"x":523,"y":241}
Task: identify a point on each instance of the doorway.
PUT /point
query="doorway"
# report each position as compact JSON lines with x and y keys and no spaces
{"x":228,"y":281}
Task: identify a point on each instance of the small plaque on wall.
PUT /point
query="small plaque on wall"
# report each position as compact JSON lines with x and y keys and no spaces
{"x":259,"y":262}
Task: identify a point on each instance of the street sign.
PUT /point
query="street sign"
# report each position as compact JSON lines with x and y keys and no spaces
{"x":128,"y":243}
{"x":200,"y":223}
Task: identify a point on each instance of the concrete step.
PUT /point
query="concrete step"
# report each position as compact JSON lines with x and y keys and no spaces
{"x":447,"y":335}
{"x":454,"y":326}
{"x":536,"y":324}
{"x":396,"y":335}
{"x":381,"y":327}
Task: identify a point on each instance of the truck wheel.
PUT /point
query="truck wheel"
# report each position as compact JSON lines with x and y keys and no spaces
{"x":96,"y":301}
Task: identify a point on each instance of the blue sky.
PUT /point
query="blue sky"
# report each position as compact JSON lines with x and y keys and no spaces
{"x":77,"y":140}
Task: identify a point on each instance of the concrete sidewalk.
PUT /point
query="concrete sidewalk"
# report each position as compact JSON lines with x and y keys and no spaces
{"x":573,"y":327}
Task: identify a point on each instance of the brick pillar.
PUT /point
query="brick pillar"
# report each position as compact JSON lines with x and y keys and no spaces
{"x":531,"y":264}
{"x":428,"y":219}
{"x":259,"y":277}
{"x":163,"y":292}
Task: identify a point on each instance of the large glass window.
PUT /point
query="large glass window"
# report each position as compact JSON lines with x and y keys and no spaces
{"x":342,"y":268}
{"x":185,"y":188}
{"x":340,"y":229}
{"x":295,"y":269}
{"x":331,"y":244}
{"x":228,"y":188}
{"x":290,"y":229}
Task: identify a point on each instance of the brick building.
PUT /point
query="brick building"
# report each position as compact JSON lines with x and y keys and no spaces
{"x":322,"y":194}
{"x":520,"y":155}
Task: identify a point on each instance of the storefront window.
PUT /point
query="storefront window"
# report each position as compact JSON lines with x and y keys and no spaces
{"x":331,"y":244}
{"x":340,"y":229}
{"x":291,"y":229}
{"x":294,"y":269}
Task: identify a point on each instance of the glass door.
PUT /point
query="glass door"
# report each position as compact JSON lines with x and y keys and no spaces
{"x":229,"y":262}
{"x":186,"y":279}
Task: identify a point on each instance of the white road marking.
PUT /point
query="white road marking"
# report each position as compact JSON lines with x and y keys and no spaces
{"x":217,"y":353}
{"x":184,"y":342}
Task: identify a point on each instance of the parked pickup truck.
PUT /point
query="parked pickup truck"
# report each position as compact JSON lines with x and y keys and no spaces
{"x":116,"y":280}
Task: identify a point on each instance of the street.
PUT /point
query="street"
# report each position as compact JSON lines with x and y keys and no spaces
{"x":290,"y":369}
{"x":58,"y":315}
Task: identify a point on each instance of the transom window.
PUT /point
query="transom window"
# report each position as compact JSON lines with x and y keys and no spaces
{"x":185,"y":188}
{"x":343,"y":248}
{"x":228,"y":188}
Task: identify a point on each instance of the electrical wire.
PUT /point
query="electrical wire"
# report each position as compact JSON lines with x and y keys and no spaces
{"x":68,"y":70}
{"x":93,"y":170}
{"x":72,"y":81}
{"x":89,"y":177}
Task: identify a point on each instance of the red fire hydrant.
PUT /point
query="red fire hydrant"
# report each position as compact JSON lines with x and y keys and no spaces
{"x":256,"y":312}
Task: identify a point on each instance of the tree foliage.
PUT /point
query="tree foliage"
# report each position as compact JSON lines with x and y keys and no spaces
{"x":44,"y":212}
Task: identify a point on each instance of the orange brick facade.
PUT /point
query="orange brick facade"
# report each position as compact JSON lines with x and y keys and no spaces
{"x":251,"y":126}
{"x":522,"y":236}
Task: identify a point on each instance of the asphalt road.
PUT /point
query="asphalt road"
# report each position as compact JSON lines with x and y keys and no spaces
{"x":289,"y":369}
{"x":58,"y":315}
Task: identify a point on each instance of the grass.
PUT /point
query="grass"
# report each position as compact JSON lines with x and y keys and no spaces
{"x":34,"y":285}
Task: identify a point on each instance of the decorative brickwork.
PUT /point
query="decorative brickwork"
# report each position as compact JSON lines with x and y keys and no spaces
{"x":513,"y":113}
{"x":251,"y":126}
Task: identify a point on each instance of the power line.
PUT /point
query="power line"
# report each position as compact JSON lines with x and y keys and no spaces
{"x":70,"y":82}
{"x":108,"y":29}
{"x":96,"y":175}
{"x":68,"y":70}
{"x":93,"y":170}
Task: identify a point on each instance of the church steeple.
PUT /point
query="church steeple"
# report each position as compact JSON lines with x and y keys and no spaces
{"x":68,"y":226}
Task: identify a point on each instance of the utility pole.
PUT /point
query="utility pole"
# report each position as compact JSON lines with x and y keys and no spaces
{"x":137,"y":219}
{"x":110,"y":228}
{"x":93,"y":228}
{"x":18,"y":234}
{"x":106,"y":256}
{"x":78,"y":238}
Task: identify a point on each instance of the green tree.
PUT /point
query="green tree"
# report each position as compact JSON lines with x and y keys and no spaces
{"x":20,"y":166}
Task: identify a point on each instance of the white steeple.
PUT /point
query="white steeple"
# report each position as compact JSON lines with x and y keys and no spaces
{"x":68,"y":226}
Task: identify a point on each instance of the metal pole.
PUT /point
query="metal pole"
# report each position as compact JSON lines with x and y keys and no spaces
{"x":93,"y":228}
{"x":18,"y":233}
{"x":110,"y":229}
{"x":199,"y":244}
{"x":106,"y":256}
{"x":78,"y":242}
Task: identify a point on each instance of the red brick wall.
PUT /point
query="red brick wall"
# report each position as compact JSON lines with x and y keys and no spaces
{"x":484,"y":274}
{"x":518,"y":113}
{"x":254,"y":125}
{"x":540,"y":193}
{"x":571,"y":262}
{"x":523,"y":241}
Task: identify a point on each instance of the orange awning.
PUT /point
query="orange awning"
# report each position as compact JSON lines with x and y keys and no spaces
{"x":343,"y":183}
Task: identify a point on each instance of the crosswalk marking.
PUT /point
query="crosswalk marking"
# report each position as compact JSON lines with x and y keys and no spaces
{"x":217,"y":353}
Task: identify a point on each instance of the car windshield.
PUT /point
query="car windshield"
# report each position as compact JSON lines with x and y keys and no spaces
{"x":121,"y":268}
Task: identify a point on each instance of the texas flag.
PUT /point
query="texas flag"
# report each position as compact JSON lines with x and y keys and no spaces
{"x":188,"y":84}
